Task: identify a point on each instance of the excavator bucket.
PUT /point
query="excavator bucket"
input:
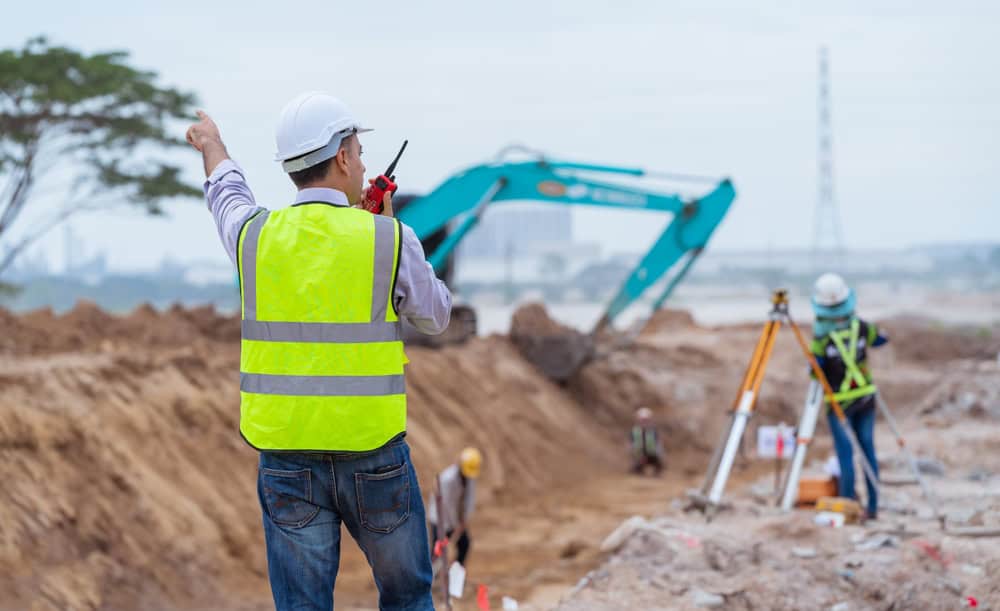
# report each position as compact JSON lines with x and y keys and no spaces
{"x":556,"y":350}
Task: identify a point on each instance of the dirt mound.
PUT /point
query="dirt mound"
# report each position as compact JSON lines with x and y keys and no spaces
{"x":534,"y":319}
{"x":926,"y":341}
{"x":203,"y":322}
{"x":126,"y":484}
{"x":86,"y":320}
{"x":87,"y":328}
{"x":110,"y":463}
{"x":667,"y":318}
{"x":555,"y":349}
{"x":177,"y":326}
{"x":17,"y":336}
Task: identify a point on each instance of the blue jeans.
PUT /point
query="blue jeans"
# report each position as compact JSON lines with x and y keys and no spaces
{"x":861,"y":418}
{"x":305,"y":498}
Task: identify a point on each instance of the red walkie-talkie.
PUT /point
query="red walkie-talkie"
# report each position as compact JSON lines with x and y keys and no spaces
{"x":385,"y":183}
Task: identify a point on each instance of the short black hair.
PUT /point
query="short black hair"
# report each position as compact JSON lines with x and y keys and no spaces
{"x":312,"y":174}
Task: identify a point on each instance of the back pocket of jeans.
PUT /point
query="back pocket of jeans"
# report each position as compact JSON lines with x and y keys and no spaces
{"x":383,"y":498}
{"x":288,"y":496}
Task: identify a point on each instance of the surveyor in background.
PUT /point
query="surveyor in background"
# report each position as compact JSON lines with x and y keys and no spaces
{"x":644,"y":443}
{"x":453,"y":502}
{"x":840,"y":344}
{"x":323,"y":287}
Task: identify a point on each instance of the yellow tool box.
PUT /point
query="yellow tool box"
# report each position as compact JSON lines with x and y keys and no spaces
{"x":850,"y":508}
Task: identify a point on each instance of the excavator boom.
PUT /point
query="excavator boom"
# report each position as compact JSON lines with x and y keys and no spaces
{"x":462,"y":199}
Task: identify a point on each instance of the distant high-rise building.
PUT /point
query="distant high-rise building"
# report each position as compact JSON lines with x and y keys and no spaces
{"x":523,"y":228}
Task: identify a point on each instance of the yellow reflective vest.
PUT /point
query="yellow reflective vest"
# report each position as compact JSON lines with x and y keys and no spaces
{"x":321,"y":360}
{"x":857,"y":382}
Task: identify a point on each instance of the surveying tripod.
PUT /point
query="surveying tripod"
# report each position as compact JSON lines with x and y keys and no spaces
{"x":710,"y":495}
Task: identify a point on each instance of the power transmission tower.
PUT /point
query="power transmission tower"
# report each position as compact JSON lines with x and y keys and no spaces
{"x":828,"y":240}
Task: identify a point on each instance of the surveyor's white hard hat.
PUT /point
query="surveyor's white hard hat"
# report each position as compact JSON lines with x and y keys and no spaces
{"x":644,"y":413}
{"x":311,"y":128}
{"x":830,"y":290}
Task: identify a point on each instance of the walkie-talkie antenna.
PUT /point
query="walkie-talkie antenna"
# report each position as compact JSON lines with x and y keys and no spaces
{"x":392,"y":166}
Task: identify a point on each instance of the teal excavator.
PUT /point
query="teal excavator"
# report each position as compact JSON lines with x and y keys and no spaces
{"x":442,"y":218}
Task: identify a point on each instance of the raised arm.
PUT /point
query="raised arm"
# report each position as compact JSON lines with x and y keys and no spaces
{"x":226,"y":191}
{"x":204,"y":136}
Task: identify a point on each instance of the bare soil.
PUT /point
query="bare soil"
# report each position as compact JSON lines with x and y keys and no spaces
{"x":127,"y":485}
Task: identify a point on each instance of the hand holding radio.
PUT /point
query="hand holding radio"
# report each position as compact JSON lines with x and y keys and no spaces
{"x":374,"y":198}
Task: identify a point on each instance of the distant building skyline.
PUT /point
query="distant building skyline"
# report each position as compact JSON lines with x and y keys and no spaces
{"x":521,"y":228}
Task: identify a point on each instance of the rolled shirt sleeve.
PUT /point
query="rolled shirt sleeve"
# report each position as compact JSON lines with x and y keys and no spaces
{"x":420,"y":297}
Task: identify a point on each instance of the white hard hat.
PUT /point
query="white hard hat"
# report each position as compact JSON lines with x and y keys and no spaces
{"x":644,"y":412}
{"x":830,"y":290}
{"x":311,"y":128}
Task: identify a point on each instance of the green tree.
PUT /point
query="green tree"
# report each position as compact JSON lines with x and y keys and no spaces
{"x":93,"y":126}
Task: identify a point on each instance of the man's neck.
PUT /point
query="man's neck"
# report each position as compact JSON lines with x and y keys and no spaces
{"x":323,"y":185}
{"x":321,"y":194}
{"x":327,"y":185}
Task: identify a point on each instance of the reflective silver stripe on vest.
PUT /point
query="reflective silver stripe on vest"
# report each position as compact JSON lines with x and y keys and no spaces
{"x":322,"y":386}
{"x":332,"y":332}
{"x":385,"y":252}
{"x":248,"y":260}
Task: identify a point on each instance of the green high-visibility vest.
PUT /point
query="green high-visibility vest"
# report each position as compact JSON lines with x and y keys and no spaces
{"x":852,"y":373}
{"x":321,"y":361}
{"x":643,"y":441}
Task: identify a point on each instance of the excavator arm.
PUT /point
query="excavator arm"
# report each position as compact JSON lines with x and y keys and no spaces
{"x":463,"y":198}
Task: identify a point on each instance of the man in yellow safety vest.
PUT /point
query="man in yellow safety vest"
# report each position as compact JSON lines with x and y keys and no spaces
{"x":324,"y":285}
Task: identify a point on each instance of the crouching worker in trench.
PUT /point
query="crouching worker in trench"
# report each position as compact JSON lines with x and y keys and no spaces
{"x":644,"y":443}
{"x":323,"y":287}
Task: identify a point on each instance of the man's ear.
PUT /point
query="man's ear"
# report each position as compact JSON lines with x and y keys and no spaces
{"x":341,"y":159}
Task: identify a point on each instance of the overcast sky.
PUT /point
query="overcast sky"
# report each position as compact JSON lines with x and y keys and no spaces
{"x":719,"y":88}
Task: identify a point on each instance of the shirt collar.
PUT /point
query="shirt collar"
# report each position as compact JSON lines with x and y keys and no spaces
{"x":323,"y":195}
